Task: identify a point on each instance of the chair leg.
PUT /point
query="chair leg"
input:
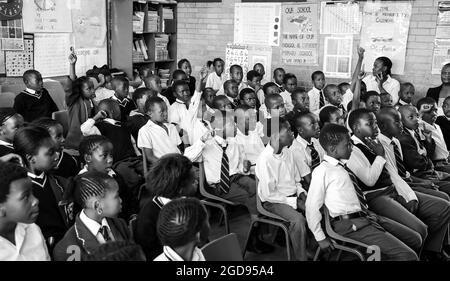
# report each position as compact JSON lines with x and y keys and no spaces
{"x":248,"y":238}
{"x":288,"y":244}
{"x":316,"y":256}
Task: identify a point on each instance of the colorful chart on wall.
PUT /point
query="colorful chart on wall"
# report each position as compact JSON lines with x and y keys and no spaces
{"x":11,"y":34}
{"x":385,"y":32}
{"x":47,"y":16}
{"x":257,"y":23}
{"x":17,"y":62}
{"x":299,"y":38}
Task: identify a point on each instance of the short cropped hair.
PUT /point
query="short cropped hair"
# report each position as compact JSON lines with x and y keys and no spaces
{"x":356,"y":115}
{"x":332,"y":135}
{"x":252,"y":74}
{"x":316,"y":73}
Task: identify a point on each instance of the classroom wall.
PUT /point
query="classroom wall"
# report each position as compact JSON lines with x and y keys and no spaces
{"x":204,"y":29}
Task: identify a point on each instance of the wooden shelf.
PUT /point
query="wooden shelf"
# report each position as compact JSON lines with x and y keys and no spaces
{"x":152,"y":61}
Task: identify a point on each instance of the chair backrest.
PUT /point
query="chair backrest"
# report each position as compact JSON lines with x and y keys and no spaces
{"x":202,"y":186}
{"x":62,"y":117}
{"x":260,"y":207}
{"x":225,"y":248}
{"x":7,"y":99}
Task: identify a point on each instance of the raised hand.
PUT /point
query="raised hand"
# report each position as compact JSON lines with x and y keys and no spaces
{"x":72,"y":57}
{"x":361,"y":52}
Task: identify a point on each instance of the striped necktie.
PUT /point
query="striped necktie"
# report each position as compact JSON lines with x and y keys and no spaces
{"x":361,"y":197}
{"x":399,"y":160}
{"x":344,"y":112}
{"x":419,"y":140}
{"x":321,"y":100}
{"x":225,"y":172}
{"x":104,"y":232}
{"x":315,"y":159}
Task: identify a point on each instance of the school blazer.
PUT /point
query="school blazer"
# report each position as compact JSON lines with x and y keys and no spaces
{"x":79,"y":242}
{"x":434,"y":93}
{"x":58,"y":185}
{"x":414,"y":162}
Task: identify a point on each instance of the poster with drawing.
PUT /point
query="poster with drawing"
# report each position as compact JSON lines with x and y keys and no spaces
{"x":385,"y":32}
{"x":47,"y":16}
{"x":299,"y":37}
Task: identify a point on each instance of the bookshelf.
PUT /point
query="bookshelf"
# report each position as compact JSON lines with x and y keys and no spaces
{"x":144,"y":33}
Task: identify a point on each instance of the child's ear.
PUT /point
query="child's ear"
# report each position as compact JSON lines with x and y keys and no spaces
{"x":98,"y":207}
{"x":30,"y":158}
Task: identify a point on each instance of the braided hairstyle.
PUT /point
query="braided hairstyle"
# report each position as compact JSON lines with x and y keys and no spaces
{"x":89,"y":144}
{"x":180,"y":220}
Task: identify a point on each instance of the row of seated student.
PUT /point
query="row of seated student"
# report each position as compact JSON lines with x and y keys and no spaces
{"x":387,"y":184}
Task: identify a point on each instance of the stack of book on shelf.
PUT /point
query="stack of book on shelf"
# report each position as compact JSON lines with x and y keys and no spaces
{"x":161,"y":52}
{"x":138,"y":22}
{"x":140,"y":51}
{"x":168,"y":20}
{"x":152,"y":21}
{"x":164,"y":74}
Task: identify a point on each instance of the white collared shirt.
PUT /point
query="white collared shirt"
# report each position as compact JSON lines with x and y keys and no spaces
{"x":441,"y":151}
{"x":421,"y":150}
{"x":7,"y":144}
{"x":212,"y":157}
{"x":302,"y":154}
{"x":287,"y":101}
{"x":33,"y":93}
{"x":278,"y":177}
{"x":260,"y":95}
{"x":88,"y":128}
{"x":391,"y":85}
{"x":111,"y":172}
{"x":330,"y":185}
{"x":42,"y":176}
{"x":170,"y":255}
{"x":401,"y":186}
{"x":361,"y":167}
{"x":103,"y":93}
{"x":314,"y":99}
{"x":347,"y":98}
{"x":252,"y":143}
{"x":221,"y":91}
{"x":29,"y":245}
{"x":214,"y":81}
{"x":180,"y":115}
{"x":154,"y":137}
{"x":94,"y":227}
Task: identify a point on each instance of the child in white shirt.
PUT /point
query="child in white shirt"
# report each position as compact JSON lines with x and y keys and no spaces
{"x":217,"y":78}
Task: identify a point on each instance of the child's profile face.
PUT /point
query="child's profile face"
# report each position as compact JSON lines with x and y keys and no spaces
{"x":301,"y":101}
{"x":392,"y":124}
{"x":334,"y":96}
{"x":386,"y":100}
{"x":319,"y":81}
{"x":112,"y":203}
{"x":336,"y":117}
{"x":141,"y":102}
{"x":290,"y":85}
{"x":446,"y":108}
{"x":154,"y":83}
{"x":279,"y":76}
{"x":182,"y":93}
{"x":224,"y":105}
{"x":218,"y":67}
{"x":10,"y":126}
{"x":378,"y":67}
{"x":121,"y":90}
{"x":343,"y":149}
{"x":87,"y":90}
{"x":232,"y":90}
{"x":101,"y":159}
{"x":276,"y":107}
{"x":309,"y":127}
{"x":56,"y":132}
{"x":410,"y":118}
{"x":430,"y":115}
{"x":236,"y":74}
{"x":46,"y":157}
{"x":186,"y":67}
{"x":407,"y":94}
{"x":256,"y":81}
{"x":445,"y":75}
{"x":158,"y":113}
{"x":21,"y":205}
{"x":373,"y":103}
{"x":272,"y":90}
{"x":209,"y":96}
{"x":35,"y":82}
{"x":368,"y":126}
{"x":286,"y":135}
{"x":250,"y":100}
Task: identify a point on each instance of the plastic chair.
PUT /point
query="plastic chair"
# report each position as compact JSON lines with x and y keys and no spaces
{"x":7,"y":99}
{"x":132,"y":225}
{"x":269,"y":218}
{"x":212,"y":200}
{"x":339,"y":241}
{"x":225,"y":248}
{"x":62,"y":117}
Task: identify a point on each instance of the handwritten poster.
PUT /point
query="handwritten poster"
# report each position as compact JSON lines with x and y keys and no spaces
{"x":51,"y":53}
{"x":441,"y":53}
{"x":299,"y":38}
{"x":47,"y":16}
{"x":337,"y":61}
{"x":17,"y":62}
{"x":340,"y":18}
{"x":257,"y":23}
{"x":236,"y":54}
{"x":385,"y":32}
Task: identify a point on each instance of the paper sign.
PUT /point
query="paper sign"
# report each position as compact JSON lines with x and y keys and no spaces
{"x":340,"y":18}
{"x":47,"y":16}
{"x":51,"y":53}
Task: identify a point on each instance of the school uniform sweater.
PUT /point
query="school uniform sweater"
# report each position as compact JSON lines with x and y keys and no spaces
{"x":5,"y":148}
{"x":126,"y":106}
{"x":169,"y":94}
{"x":67,"y":166}
{"x":444,"y":123}
{"x":120,"y":138}
{"x":34,"y":105}
{"x":135,"y":122}
{"x":79,"y":235}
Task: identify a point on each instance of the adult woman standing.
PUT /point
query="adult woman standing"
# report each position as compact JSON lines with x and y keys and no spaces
{"x":381,"y":81}
{"x":443,"y":91}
